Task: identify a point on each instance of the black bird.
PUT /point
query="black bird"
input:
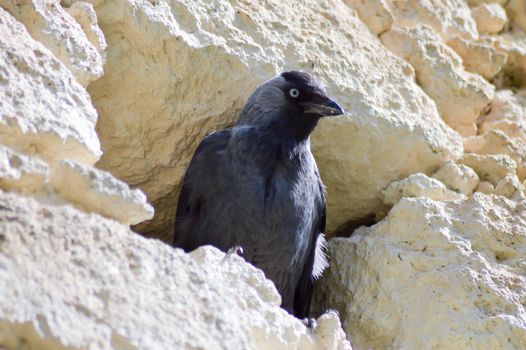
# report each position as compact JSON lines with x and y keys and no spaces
{"x":256,"y":185}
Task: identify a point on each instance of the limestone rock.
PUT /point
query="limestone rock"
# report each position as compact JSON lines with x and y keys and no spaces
{"x":21,"y":173}
{"x":497,"y":142}
{"x":509,"y":187}
{"x":514,"y":45}
{"x":418,"y":185}
{"x":479,"y":56}
{"x":461,"y":261}
{"x":490,"y":18}
{"x":485,"y":187}
{"x":516,"y":10}
{"x":449,"y":18}
{"x":460,"y":96}
{"x":72,"y":280}
{"x":507,"y":113}
{"x":178,"y":70}
{"x":474,"y":3}
{"x":98,"y":191}
{"x":50,"y":24}
{"x":88,"y":188}
{"x":374,"y":13}
{"x":458,"y":177}
{"x":42,"y":108}
{"x":85,"y":15}
{"x":490,"y":168}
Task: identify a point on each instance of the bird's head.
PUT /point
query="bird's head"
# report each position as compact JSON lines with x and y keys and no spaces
{"x":294,"y":99}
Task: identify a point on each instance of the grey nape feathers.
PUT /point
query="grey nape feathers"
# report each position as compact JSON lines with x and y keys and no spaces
{"x":256,"y":185}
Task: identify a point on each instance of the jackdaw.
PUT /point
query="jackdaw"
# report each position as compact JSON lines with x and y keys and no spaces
{"x":257,"y":186}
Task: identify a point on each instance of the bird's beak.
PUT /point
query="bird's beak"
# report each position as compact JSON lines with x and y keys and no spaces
{"x":322,"y":105}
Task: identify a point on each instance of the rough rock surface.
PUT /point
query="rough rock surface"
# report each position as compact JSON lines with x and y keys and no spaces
{"x":418,"y":185}
{"x":177,"y":71}
{"x":103,"y":287}
{"x":42,"y":107}
{"x":21,"y":173}
{"x":374,"y":13}
{"x":514,"y":45}
{"x":490,"y":18}
{"x":50,"y":24}
{"x":98,"y":191}
{"x":458,"y":177}
{"x":490,"y":168}
{"x":479,"y":56}
{"x":460,"y":96}
{"x":449,"y":18}
{"x":497,"y":142}
{"x":507,"y":113}
{"x":434,"y":275}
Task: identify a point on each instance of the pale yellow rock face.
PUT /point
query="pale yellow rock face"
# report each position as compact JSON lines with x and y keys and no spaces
{"x":507,"y":113}
{"x":21,"y":173}
{"x":98,"y":191}
{"x":490,"y":168}
{"x":516,"y":10}
{"x":434,"y":275}
{"x":50,"y":24}
{"x":374,"y":13}
{"x":458,"y":177}
{"x":43,"y":109}
{"x":460,"y":96}
{"x":74,"y":280}
{"x":490,"y":18}
{"x":449,"y":18}
{"x":418,"y":185}
{"x":177,"y":72}
{"x":514,"y":45}
{"x":497,"y":142}
{"x":479,"y":56}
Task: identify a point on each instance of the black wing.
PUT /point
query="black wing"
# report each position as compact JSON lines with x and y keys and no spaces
{"x":200,"y":175}
{"x":303,"y":295}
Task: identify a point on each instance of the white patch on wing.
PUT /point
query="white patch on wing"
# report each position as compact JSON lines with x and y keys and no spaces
{"x":321,"y":260}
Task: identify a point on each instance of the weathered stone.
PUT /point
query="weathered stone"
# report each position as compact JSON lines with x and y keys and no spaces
{"x":486,"y":187}
{"x":50,"y":24}
{"x":178,"y":70}
{"x":514,"y":45}
{"x":21,"y":173}
{"x":434,"y":275}
{"x":374,"y":13}
{"x":42,"y":107}
{"x":85,"y":15}
{"x":491,"y":168}
{"x":479,"y":56}
{"x":98,"y":191}
{"x":507,"y":113}
{"x":458,"y":177}
{"x":418,"y":185}
{"x":479,"y":2}
{"x":460,"y":96}
{"x":72,"y":280}
{"x":509,"y":187}
{"x":497,"y":142}
{"x":490,"y":18}
{"x":516,"y":10}
{"x":449,"y":18}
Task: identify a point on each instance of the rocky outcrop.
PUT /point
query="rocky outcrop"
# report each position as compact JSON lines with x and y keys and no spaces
{"x":433,"y":275}
{"x":432,"y":146}
{"x":104,"y":287}
{"x":199,"y":69}
{"x":460,"y":96}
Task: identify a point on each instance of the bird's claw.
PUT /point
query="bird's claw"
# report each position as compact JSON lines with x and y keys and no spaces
{"x":237,"y":249}
{"x":310,"y":323}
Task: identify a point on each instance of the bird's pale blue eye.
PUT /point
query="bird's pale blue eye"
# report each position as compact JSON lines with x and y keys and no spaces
{"x":294,"y":93}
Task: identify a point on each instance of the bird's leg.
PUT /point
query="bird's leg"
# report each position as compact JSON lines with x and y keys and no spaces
{"x":310,"y":323}
{"x":237,"y":249}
